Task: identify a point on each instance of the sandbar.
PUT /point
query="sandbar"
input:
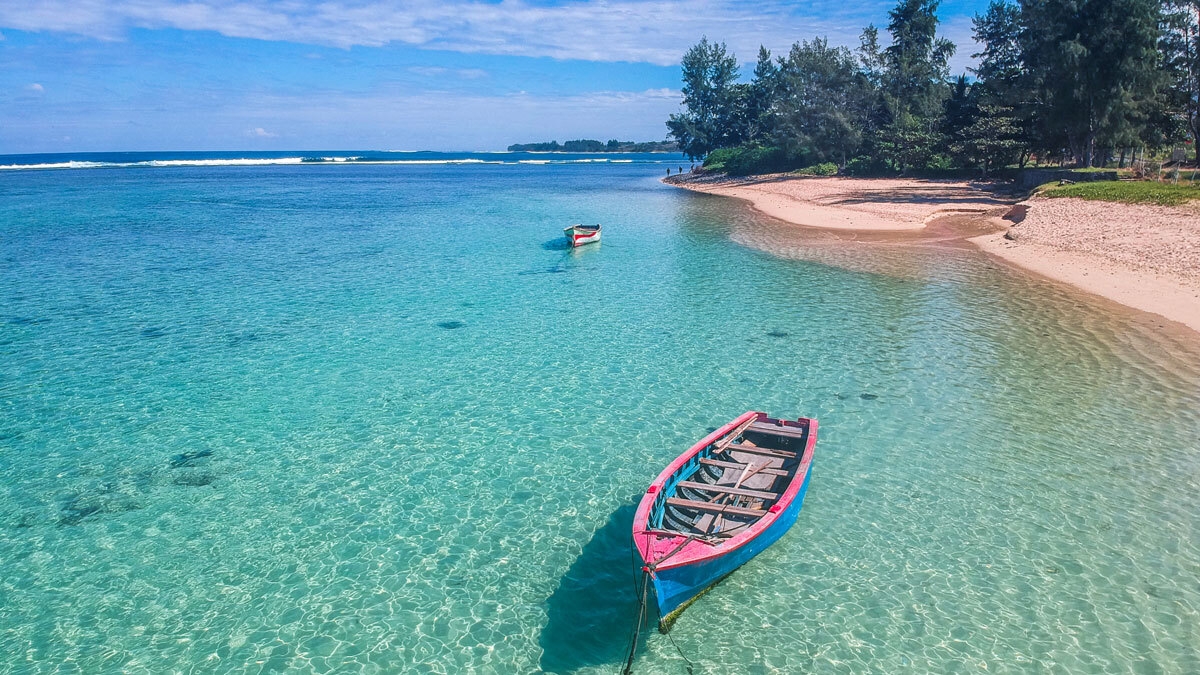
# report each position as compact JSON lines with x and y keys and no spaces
{"x":875,"y":204}
{"x":1145,"y":257}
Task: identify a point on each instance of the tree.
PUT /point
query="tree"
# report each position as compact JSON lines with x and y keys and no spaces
{"x":1002,"y":78}
{"x":992,"y":139}
{"x":871,"y":56}
{"x":1093,"y":67}
{"x":820,"y":103}
{"x":916,"y":63}
{"x":960,"y":112}
{"x":1180,"y":46}
{"x":712,"y":101}
{"x":913,"y":82}
{"x":1000,"y":69}
{"x":761,"y":95}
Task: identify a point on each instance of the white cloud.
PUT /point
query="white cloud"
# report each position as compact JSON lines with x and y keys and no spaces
{"x":655,"y":31}
{"x":437,"y":71}
{"x":36,"y":88}
{"x":259,"y":132}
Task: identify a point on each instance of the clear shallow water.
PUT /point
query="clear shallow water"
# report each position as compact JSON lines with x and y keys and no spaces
{"x":330,"y":418}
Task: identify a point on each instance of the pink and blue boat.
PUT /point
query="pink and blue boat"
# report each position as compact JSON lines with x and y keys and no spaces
{"x":721,"y":503}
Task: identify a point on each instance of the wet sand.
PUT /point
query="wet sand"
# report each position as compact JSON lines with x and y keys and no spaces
{"x":1144,"y":257}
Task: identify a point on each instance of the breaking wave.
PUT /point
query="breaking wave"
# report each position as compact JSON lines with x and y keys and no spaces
{"x":15,"y":162}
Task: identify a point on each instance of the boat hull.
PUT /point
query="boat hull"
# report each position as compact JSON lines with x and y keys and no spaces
{"x":686,"y":555}
{"x":677,"y":587}
{"x":578,"y":236}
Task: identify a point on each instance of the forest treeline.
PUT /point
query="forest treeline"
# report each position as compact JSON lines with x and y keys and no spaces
{"x":589,"y":145}
{"x":1083,"y":82}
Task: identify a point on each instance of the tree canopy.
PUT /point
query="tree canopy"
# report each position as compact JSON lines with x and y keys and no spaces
{"x":1072,"y":80}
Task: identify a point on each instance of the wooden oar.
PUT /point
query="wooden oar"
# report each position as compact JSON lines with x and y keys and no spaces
{"x":732,"y":436}
{"x":747,"y":472}
{"x":720,"y":446}
{"x":723,"y":499}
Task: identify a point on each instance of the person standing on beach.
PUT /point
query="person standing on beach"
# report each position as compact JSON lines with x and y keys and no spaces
{"x":668,"y":172}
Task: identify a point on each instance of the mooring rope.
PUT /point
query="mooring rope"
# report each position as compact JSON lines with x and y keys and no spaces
{"x":690,"y":665}
{"x":648,"y":570}
{"x":637,"y":627}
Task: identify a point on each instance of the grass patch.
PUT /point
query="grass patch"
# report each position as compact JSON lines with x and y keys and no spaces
{"x":1127,"y":192}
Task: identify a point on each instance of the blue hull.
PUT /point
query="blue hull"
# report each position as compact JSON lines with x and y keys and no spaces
{"x":675,"y":587}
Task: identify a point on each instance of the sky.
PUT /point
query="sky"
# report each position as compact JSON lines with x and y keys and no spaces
{"x":458,"y":75}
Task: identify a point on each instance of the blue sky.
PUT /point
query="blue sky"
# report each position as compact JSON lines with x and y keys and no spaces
{"x":108,"y":75}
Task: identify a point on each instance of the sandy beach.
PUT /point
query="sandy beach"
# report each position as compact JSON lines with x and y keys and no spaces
{"x":877,"y":204}
{"x":1145,"y":257}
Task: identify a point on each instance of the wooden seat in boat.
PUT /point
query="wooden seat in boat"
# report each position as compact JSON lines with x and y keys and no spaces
{"x":718,"y":508}
{"x":738,"y":466}
{"x":729,"y":489}
{"x":755,"y":450}
{"x":775,"y":430}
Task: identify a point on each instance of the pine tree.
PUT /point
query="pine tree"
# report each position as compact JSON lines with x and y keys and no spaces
{"x":1000,"y":71}
{"x":1180,"y":46}
{"x":820,"y":103}
{"x":712,"y":100}
{"x":1093,"y":66}
{"x":1002,"y":78}
{"x":913,"y":83}
{"x":991,"y":140}
{"x":960,"y":112}
{"x":761,"y":96}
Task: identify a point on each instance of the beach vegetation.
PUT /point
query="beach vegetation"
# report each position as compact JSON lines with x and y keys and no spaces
{"x":593,"y":146}
{"x":1180,"y":46}
{"x":1127,"y":191}
{"x":821,"y":105}
{"x":991,"y":140}
{"x":864,"y":165}
{"x":745,"y":160}
{"x":716,"y":112}
{"x":823,"y":169}
{"x":1088,"y":83}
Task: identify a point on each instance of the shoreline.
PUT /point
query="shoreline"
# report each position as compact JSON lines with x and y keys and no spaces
{"x":1145,"y":291}
{"x":1142,"y":257}
{"x":858,"y":204}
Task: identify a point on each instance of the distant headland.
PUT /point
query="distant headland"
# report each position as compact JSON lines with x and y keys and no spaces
{"x":588,"y":145}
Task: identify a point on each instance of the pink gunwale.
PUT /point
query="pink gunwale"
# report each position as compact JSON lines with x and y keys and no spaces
{"x":652,"y":546}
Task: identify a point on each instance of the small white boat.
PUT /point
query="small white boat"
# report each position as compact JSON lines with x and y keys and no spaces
{"x":579,"y":235}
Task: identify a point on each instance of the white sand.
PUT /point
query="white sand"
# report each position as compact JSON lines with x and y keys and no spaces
{"x":1146,"y":257}
{"x":850,"y":203}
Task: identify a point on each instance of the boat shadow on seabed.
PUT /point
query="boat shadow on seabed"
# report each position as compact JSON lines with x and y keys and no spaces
{"x":595,"y":605}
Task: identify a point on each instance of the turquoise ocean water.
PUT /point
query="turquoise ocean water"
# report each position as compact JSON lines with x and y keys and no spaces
{"x":343,"y":418}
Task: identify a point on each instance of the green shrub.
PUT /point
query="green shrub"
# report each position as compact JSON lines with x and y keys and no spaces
{"x":864,"y":165}
{"x":745,"y":160}
{"x":715,"y":161}
{"x":823,"y":169}
{"x":939,"y":162}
